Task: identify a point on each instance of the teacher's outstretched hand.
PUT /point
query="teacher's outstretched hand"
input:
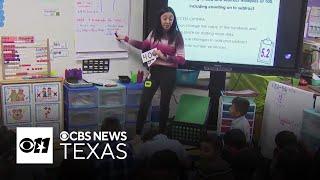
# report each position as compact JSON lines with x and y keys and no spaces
{"x":119,"y":37}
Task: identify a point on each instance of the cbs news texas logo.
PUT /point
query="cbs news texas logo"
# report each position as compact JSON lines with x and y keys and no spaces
{"x":34,"y":145}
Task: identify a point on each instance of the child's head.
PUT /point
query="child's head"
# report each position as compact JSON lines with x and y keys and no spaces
{"x":7,"y":168}
{"x":111,"y":124}
{"x":76,"y":169}
{"x":235,"y":139}
{"x":7,"y":140}
{"x":150,"y":134}
{"x":163,"y":165}
{"x":239,"y":107}
{"x":210,"y":146}
{"x":291,"y":164}
{"x":286,"y":139}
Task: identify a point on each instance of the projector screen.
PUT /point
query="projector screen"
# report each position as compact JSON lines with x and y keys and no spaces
{"x":229,"y":31}
{"x":252,"y":36}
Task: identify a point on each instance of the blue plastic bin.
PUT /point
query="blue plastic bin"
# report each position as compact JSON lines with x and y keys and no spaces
{"x":80,"y":97}
{"x":134,"y":92}
{"x":187,"y":77}
{"x":117,"y":112}
{"x":111,"y":96}
{"x":81,"y":117}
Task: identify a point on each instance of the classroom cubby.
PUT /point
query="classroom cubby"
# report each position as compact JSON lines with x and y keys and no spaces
{"x":112,"y":96}
{"x":112,"y":103}
{"x":116,"y":112}
{"x":81,"y":117}
{"x":133,"y":97}
{"x":86,"y":97}
{"x":134,"y":93}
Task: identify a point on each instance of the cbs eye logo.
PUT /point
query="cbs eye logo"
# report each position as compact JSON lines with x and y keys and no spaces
{"x":39,"y":145}
{"x":34,"y":145}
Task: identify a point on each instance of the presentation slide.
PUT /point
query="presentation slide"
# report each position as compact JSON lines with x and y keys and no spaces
{"x":228,"y":31}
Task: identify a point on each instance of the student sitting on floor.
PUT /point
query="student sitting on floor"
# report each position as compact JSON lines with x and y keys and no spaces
{"x":77,"y":169}
{"x":239,"y":110}
{"x":7,"y":153}
{"x":9,"y":170}
{"x":161,"y":165}
{"x":314,"y":172}
{"x":154,"y":141}
{"x":211,"y":165}
{"x":245,"y":162}
{"x":109,"y":168}
{"x":290,"y":159}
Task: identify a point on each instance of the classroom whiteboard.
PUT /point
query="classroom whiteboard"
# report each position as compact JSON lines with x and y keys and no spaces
{"x":54,"y":19}
{"x":96,"y":21}
{"x":283,"y":110}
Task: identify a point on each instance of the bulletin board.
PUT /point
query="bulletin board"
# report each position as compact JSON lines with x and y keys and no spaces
{"x":312,"y":26}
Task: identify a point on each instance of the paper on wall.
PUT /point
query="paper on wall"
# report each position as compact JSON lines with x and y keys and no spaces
{"x":314,"y":22}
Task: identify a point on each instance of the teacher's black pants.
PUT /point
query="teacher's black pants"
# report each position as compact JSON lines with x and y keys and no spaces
{"x":162,"y":76}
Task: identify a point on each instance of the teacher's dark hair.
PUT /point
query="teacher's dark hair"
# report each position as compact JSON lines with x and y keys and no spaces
{"x":174,"y":34}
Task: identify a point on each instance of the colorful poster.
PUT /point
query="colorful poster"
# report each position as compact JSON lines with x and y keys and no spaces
{"x":48,"y":92}
{"x":47,"y":112}
{"x":16,"y":94}
{"x":18,"y":114}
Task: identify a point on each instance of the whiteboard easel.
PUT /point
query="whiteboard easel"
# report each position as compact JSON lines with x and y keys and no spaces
{"x":283,"y":110}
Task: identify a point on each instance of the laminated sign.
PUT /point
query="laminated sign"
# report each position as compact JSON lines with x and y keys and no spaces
{"x":148,"y":57}
{"x":266,"y":51}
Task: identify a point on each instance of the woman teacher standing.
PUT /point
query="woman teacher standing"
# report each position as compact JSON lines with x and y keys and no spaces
{"x":168,"y":40}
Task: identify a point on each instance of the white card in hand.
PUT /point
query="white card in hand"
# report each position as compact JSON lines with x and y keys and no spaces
{"x":148,"y":56}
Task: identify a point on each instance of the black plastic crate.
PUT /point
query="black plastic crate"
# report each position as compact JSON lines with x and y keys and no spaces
{"x":187,"y":133}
